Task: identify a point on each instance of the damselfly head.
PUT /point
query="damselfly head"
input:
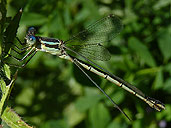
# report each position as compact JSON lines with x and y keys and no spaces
{"x":31,"y":31}
{"x":30,"y":40}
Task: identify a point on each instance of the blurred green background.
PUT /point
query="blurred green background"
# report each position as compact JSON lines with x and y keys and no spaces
{"x":52,"y":93}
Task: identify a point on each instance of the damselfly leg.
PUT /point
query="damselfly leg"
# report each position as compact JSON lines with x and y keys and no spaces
{"x":23,"y":54}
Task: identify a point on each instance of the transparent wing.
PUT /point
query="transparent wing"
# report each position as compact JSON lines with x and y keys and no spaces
{"x":101,"y":31}
{"x":92,"y":51}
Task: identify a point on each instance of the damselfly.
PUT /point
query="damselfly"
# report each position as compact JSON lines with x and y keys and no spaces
{"x":88,"y":45}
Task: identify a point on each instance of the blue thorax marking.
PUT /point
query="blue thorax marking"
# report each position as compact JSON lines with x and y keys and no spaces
{"x":49,"y":42}
{"x":50,"y":45}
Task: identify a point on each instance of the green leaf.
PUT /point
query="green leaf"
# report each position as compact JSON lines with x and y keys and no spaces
{"x":161,"y":3}
{"x":164,"y":43}
{"x":55,"y":124}
{"x":116,"y":124}
{"x":99,"y":116}
{"x":7,"y":71}
{"x":73,"y":116}
{"x":142,"y":51}
{"x":4,"y":125}
{"x":26,"y":92}
{"x":12,"y":119}
{"x":118,"y":97}
{"x":11,"y":30}
{"x":2,"y":85}
{"x":158,"y":83}
{"x":167,"y":85}
{"x":3,"y":12}
{"x":7,"y":114}
{"x":165,"y":114}
{"x":84,"y":103}
{"x":6,"y":90}
{"x":168,"y":68}
{"x":31,"y":19}
{"x":137,"y":124}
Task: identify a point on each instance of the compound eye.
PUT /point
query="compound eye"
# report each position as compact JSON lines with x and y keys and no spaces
{"x":31,"y":31}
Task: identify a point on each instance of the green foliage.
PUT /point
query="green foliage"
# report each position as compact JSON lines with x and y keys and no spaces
{"x":142,"y":51}
{"x":52,"y":93}
{"x":8,"y":116}
{"x":164,"y":43}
